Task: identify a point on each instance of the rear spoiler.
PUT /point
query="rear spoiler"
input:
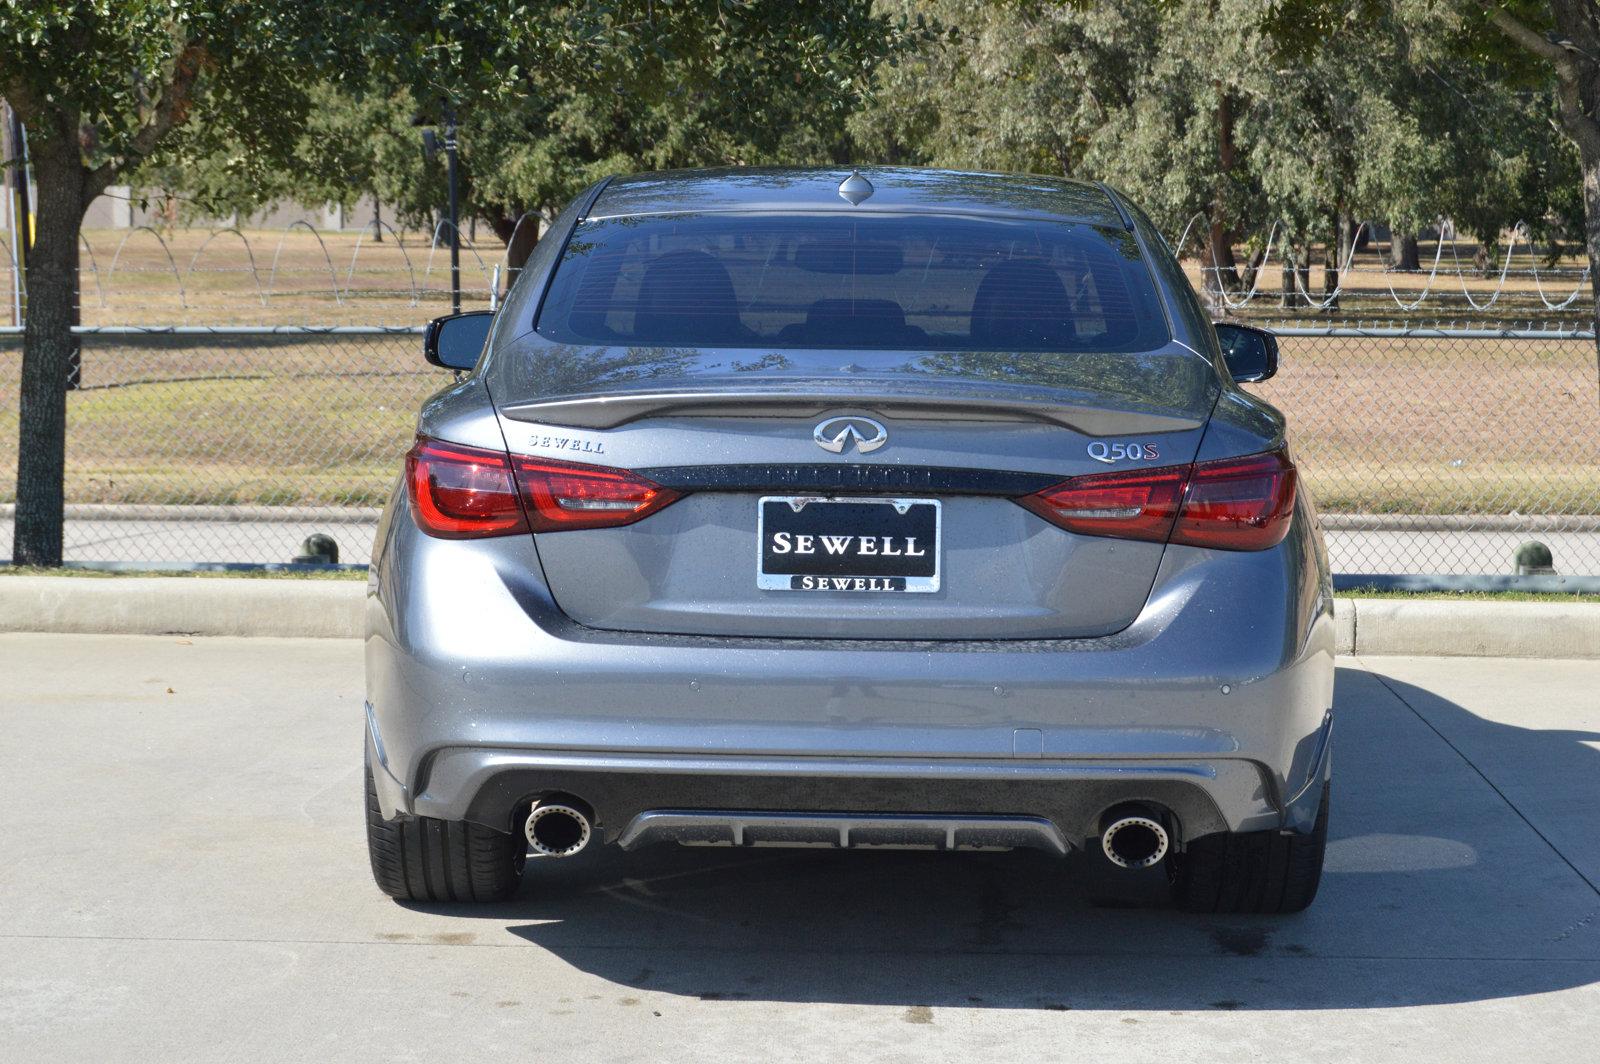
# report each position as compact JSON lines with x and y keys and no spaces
{"x":619,"y":408}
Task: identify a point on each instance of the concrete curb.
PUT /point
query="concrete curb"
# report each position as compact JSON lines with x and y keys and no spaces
{"x":155,"y":605}
{"x":1476,"y":629}
{"x":158,"y":605}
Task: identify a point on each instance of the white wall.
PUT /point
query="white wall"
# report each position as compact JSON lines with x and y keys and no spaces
{"x":117,"y":209}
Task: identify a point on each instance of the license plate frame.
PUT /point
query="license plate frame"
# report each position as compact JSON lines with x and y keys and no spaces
{"x":908,"y":526}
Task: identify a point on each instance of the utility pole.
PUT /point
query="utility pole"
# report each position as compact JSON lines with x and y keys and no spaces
{"x":455,"y":213}
{"x":430,"y":148}
{"x":16,"y":153}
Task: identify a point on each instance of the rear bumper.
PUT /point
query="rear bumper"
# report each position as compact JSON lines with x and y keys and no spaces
{"x":1213,"y":704}
{"x":627,"y":792}
{"x":484,"y":785}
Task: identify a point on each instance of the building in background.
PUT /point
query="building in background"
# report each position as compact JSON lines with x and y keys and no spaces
{"x":121,"y":208}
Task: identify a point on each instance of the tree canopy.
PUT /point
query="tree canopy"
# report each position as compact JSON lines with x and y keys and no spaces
{"x":1295,"y":113}
{"x":638,"y":86}
{"x":1300,"y":114}
{"x":1249,"y":114}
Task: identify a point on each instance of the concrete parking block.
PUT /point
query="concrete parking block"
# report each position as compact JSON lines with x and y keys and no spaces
{"x":1477,"y":628}
{"x":160,"y":605}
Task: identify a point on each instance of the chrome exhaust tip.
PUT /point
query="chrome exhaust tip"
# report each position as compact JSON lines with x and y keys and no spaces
{"x":556,"y":829}
{"x":1135,"y":842}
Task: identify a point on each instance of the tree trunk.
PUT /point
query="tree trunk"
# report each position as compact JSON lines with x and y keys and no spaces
{"x":1252,"y":266}
{"x":1222,"y":269}
{"x":1338,"y":236}
{"x":1403,"y":251}
{"x":48,"y":347}
{"x":1295,"y":275}
{"x":520,"y":235}
{"x":1222,"y":272}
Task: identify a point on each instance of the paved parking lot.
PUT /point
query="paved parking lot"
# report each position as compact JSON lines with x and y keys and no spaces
{"x":185,"y":880}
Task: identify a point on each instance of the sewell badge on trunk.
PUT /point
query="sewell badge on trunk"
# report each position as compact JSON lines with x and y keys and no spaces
{"x":810,"y":543}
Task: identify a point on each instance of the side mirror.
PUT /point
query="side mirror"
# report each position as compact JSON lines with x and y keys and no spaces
{"x":456,"y":340}
{"x":1251,"y":353}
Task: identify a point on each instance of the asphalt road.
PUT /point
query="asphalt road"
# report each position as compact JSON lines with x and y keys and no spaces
{"x":278,"y":541}
{"x":185,"y":880}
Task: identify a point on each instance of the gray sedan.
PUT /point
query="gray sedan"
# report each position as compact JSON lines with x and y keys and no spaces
{"x":888,"y":508}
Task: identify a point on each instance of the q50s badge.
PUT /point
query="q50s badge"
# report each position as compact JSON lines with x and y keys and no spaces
{"x":1108,"y":453}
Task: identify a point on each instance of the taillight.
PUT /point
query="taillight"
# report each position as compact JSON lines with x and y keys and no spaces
{"x":1238,"y":503}
{"x":1136,"y":504}
{"x":563,"y":495}
{"x":462,"y":492}
{"x":1229,"y":504}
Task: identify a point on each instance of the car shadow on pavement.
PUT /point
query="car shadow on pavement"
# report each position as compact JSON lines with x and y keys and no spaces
{"x":1436,"y":890}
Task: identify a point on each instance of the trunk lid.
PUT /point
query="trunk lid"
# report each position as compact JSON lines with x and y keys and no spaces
{"x":971,"y":431}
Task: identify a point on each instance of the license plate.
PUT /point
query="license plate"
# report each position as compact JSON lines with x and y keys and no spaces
{"x":809,"y":543}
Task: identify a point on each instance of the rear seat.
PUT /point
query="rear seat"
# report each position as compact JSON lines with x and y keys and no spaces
{"x":846,"y":322}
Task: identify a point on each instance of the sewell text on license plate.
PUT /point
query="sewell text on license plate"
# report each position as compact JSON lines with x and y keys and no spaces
{"x":812,"y":543}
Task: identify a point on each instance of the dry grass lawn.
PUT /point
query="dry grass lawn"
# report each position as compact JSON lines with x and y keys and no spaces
{"x":270,"y":277}
{"x":1417,"y":425}
{"x":1443,"y":426}
{"x":298,"y":276}
{"x":1396,"y":426}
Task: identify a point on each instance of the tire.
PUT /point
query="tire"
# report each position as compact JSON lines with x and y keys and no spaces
{"x":1251,"y":872}
{"x":429,"y":860}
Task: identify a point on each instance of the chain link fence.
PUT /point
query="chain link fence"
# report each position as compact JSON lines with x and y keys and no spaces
{"x":1429,"y":451}
{"x":227,"y":445}
{"x":1441,"y":450}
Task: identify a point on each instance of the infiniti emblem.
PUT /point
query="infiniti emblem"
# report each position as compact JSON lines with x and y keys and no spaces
{"x":835,"y":434}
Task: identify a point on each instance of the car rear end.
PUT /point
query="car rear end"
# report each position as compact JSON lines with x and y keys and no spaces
{"x":925,"y":520}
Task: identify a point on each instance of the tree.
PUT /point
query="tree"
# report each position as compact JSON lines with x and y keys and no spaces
{"x":1304,"y":114}
{"x":354,"y":141}
{"x":997,"y":86}
{"x":1564,"y":36}
{"x":1153,"y":96}
{"x":723,"y":84}
{"x":662,"y":85}
{"x":103,"y":85}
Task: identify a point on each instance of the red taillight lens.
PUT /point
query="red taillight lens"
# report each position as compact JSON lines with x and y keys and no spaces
{"x":1137,"y":504}
{"x":461,"y":492}
{"x":1230,"y":504}
{"x":563,"y":495}
{"x":1238,"y":503}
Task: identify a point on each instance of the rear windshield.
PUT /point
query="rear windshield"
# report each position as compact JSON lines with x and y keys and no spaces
{"x":866,"y":283}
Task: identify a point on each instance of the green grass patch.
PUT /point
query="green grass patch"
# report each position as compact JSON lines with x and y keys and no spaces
{"x":1470,"y":596}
